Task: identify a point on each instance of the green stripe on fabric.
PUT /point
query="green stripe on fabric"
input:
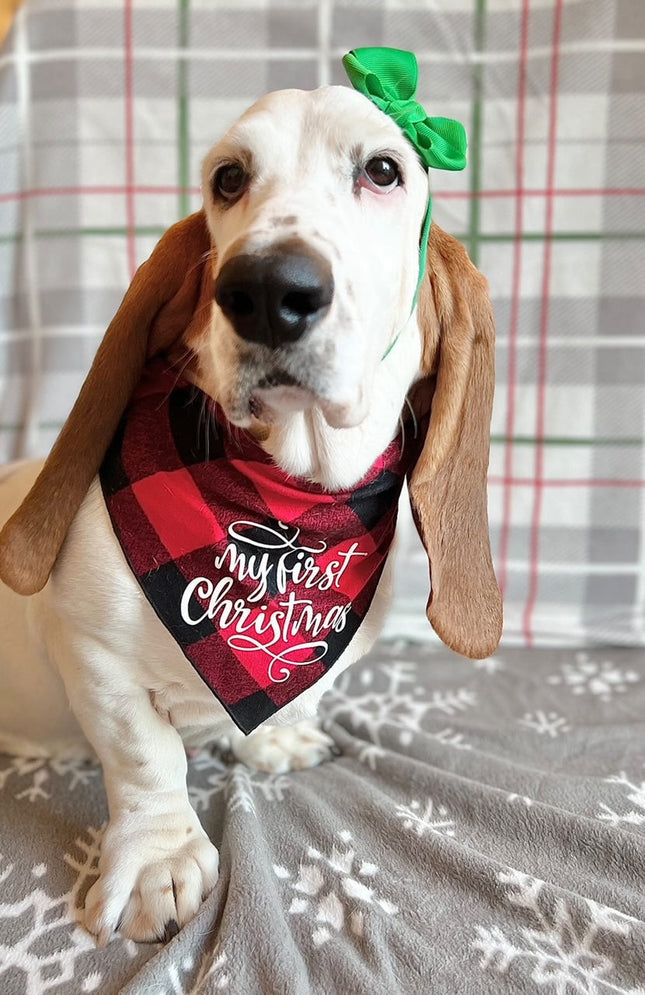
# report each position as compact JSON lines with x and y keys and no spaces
{"x":475,"y":138}
{"x":42,"y":424}
{"x":529,"y":440}
{"x":565,"y":236}
{"x":183,"y":128}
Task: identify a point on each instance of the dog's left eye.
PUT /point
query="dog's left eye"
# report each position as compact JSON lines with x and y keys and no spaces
{"x":229,"y":181}
{"x":382,"y":172}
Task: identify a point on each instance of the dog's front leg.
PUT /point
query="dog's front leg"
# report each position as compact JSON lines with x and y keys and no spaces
{"x":156,"y":863}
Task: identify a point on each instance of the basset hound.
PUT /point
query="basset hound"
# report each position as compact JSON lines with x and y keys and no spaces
{"x":269,"y":347}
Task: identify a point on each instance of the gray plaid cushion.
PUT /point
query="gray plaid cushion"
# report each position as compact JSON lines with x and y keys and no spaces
{"x":105,"y":116}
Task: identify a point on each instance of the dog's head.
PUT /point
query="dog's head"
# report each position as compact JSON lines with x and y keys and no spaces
{"x":288,"y":289}
{"x":314,"y":202}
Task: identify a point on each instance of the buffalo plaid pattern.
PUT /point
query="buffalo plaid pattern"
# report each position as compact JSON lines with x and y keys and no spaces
{"x":106,"y":109}
{"x":206,"y":520}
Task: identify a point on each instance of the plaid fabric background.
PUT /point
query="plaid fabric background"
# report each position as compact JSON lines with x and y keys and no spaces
{"x":107,"y":110}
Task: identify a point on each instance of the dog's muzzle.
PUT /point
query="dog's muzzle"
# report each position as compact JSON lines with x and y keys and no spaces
{"x":273,"y":298}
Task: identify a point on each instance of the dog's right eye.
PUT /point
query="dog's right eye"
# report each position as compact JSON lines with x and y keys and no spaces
{"x":229,"y":181}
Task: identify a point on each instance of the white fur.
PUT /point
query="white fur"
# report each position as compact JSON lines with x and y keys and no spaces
{"x":133,"y":694}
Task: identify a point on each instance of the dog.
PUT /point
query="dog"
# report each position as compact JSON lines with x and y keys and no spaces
{"x":286,"y":299}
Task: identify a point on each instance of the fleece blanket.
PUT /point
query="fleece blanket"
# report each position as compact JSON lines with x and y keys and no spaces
{"x":481,"y":831}
{"x":108,"y":107}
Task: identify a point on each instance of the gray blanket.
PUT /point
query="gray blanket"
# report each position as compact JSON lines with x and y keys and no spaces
{"x":480,"y":831}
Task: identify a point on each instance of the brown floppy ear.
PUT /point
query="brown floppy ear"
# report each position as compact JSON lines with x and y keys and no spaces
{"x":448,"y":485}
{"x":167,"y":297}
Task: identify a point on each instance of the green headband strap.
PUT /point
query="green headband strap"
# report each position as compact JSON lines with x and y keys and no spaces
{"x":388,"y":77}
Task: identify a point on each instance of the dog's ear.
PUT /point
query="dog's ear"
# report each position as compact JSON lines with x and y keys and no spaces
{"x":448,"y":484}
{"x":167,"y":298}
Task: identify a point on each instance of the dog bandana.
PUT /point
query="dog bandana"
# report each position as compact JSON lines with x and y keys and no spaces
{"x":261,"y":578}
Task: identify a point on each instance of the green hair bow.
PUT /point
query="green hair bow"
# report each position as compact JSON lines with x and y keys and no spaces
{"x":388,"y":77}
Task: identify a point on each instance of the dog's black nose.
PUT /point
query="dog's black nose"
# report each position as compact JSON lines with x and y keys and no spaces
{"x":274,"y":298}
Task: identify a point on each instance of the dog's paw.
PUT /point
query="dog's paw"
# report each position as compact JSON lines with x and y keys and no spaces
{"x":278,"y":749}
{"x":152,"y":881}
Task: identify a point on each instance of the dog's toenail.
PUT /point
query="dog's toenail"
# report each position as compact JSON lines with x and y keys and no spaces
{"x":171,"y":930}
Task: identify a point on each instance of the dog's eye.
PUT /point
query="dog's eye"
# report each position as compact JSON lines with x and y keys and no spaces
{"x":229,"y":181}
{"x":382,"y":172}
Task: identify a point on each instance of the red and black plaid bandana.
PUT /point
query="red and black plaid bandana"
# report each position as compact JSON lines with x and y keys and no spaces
{"x":261,"y":578}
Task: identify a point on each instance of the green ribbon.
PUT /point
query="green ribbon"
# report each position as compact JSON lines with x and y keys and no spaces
{"x":388,"y":77}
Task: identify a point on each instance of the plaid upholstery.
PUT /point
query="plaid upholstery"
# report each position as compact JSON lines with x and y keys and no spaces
{"x":263,"y":579}
{"x":107,"y":111}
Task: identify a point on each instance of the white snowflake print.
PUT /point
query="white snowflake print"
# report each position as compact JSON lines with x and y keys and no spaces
{"x":243,"y":781}
{"x":334,"y":892}
{"x":45,"y":914}
{"x":237,"y":783}
{"x":213,"y":969}
{"x":399,"y":704}
{"x":213,"y":777}
{"x":560,"y":951}
{"x":368,"y":753}
{"x":450,"y":738}
{"x":524,"y":799}
{"x":588,"y":676}
{"x":491,"y":665}
{"x":426,"y":819}
{"x":33,"y":774}
{"x":635,"y":794}
{"x":545,"y":723}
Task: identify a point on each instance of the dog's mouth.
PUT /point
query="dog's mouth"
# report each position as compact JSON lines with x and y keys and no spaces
{"x":270,"y":392}
{"x":278,"y":393}
{"x":279,"y":378}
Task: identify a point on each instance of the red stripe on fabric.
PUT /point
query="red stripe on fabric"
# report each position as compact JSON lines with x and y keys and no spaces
{"x":563,"y":482}
{"x":252,"y":660}
{"x":560,"y":192}
{"x":94,"y":192}
{"x":129,"y":140}
{"x":356,"y":570}
{"x":220,"y":668}
{"x":515,"y":305}
{"x":173,"y":191}
{"x":285,"y":501}
{"x":144,"y":550}
{"x":544,"y":331}
{"x":300,"y":678}
{"x":175,"y":507}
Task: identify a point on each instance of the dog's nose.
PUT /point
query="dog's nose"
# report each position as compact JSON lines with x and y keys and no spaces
{"x":274,"y":298}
